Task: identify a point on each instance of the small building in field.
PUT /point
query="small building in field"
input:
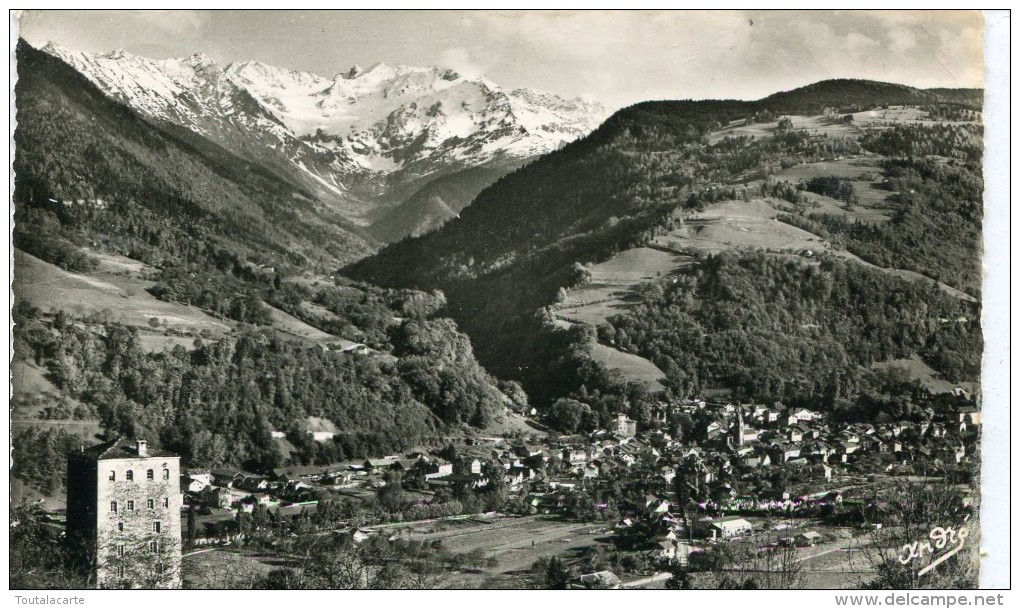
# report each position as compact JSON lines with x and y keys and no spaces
{"x":725,"y":528}
{"x":601,"y":580}
{"x":808,"y":539}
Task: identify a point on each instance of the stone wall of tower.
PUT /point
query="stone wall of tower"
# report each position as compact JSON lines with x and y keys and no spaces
{"x":138,"y":523}
{"x":82,"y":500}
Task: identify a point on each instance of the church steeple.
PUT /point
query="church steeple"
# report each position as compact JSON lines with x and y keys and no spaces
{"x":740,"y":425}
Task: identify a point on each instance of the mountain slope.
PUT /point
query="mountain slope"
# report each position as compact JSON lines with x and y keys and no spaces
{"x":362,"y":140}
{"x":512,"y":255}
{"x":437,"y":202}
{"x":153,"y":350}
{"x":638,"y":161}
{"x":98,"y":166}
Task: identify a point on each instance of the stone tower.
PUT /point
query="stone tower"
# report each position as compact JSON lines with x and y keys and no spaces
{"x":124,"y":515}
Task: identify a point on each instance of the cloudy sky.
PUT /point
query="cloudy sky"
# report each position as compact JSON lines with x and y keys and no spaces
{"x":618,"y":57}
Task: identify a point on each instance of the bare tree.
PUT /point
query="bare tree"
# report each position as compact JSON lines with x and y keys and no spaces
{"x":923,"y":535}
{"x":338,"y":563}
{"x":240,"y":574}
{"x":771,"y":568}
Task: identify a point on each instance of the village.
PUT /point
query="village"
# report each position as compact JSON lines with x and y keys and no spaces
{"x":666,"y":495}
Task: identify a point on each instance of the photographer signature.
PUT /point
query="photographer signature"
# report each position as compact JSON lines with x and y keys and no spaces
{"x":939,"y":539}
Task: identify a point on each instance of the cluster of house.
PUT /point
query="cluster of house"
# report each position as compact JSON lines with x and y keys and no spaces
{"x":297,"y":484}
{"x":741,"y":438}
{"x":736,"y":441}
{"x":803,"y":437}
{"x":673,"y":539}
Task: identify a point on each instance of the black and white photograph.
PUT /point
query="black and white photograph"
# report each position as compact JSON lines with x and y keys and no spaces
{"x":507,"y":300}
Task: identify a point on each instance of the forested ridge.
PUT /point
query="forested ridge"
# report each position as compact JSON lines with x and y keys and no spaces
{"x":229,"y":238}
{"x":643,"y":158}
{"x":935,"y":229}
{"x":113,"y":179}
{"x":794,"y":330}
{"x":504,"y":261}
{"x":217,"y":403}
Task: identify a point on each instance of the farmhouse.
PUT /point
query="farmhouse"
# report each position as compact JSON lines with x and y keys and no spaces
{"x":732,"y":526}
{"x":664,"y":550}
{"x":968,"y":415}
{"x":192,"y":485}
{"x":321,"y":430}
{"x":808,"y":538}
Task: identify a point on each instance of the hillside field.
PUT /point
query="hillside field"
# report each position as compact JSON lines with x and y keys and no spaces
{"x":116,"y":288}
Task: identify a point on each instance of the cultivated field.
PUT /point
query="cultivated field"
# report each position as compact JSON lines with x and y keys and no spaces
{"x":516,"y":543}
{"x":633,"y":367}
{"x":866,"y":175}
{"x":608,"y":292}
{"x":730,"y":225}
{"x":815,"y":125}
{"x":922,"y":372}
{"x":32,"y":393}
{"x":878,"y":118}
{"x":113,"y":289}
{"x":226,"y":568}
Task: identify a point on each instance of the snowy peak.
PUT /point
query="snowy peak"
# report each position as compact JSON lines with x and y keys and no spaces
{"x":383,"y":124}
{"x":259,"y":75}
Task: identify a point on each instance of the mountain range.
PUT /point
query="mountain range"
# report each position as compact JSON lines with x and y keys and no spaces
{"x":601,"y":264}
{"x":644,"y":197}
{"x":364,"y":142}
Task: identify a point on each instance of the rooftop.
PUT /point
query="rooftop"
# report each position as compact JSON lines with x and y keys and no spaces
{"x":122,"y":449}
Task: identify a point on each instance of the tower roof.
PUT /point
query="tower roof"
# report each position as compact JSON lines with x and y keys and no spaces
{"x":119,"y":448}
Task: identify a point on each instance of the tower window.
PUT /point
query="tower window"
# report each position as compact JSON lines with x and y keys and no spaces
{"x":120,"y":571}
{"x":150,"y":504}
{"x":113,"y":507}
{"x":131,"y":506}
{"x":130,"y":475}
{"x":157,"y":527}
{"x":120,"y":527}
{"x":153,"y":547}
{"x":166,"y":502}
{"x":149,"y":475}
{"x":120,"y":550}
{"x":113,"y":476}
{"x":166,"y":474}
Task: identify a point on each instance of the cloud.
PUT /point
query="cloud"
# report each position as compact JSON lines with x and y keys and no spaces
{"x":859,"y":45}
{"x":901,"y":40}
{"x":102,"y":31}
{"x":459,"y":59}
{"x":171,"y":22}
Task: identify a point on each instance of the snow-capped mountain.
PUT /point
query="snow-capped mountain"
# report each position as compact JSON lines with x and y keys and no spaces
{"x":363,"y":139}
